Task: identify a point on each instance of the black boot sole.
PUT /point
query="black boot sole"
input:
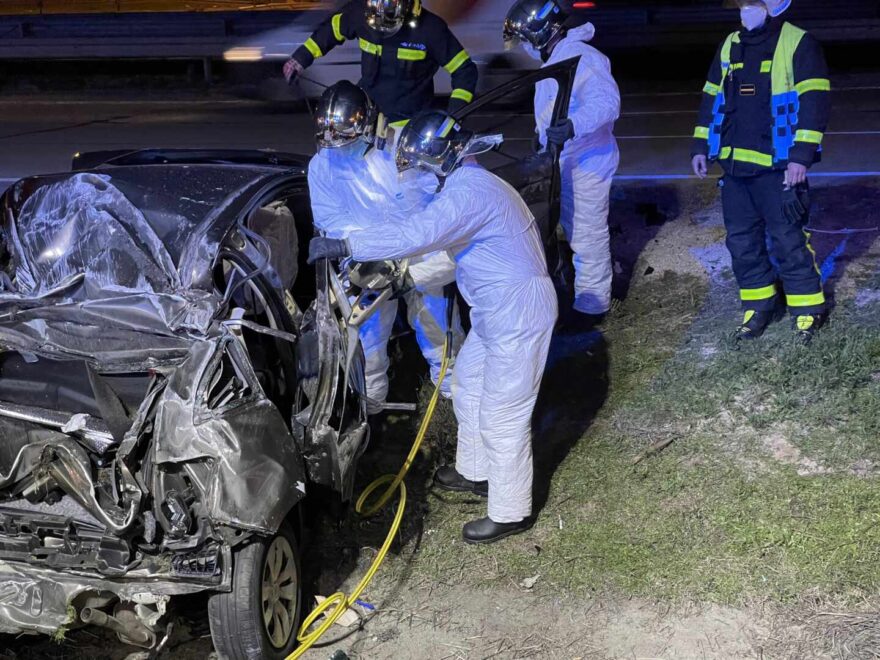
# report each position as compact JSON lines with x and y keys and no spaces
{"x":460,"y":489}
{"x":495,"y":539}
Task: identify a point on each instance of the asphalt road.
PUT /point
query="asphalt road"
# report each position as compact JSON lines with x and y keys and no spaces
{"x":39,"y":135}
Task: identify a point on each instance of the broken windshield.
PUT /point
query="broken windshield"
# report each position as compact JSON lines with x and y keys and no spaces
{"x":120,"y":231}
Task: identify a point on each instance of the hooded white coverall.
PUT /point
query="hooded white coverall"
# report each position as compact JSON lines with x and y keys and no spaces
{"x":588,"y":162}
{"x":502,"y":274}
{"x":353,"y":192}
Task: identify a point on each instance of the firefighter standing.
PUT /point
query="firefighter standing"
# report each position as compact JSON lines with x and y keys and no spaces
{"x":764,"y":111}
{"x":402,"y":46}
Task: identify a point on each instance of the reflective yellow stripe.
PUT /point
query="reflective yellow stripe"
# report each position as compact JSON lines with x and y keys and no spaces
{"x":808,"y":236}
{"x":701,"y":132}
{"x":782,"y":69}
{"x":313,"y":48}
{"x":711,"y":88}
{"x":446,"y":128}
{"x":371,"y":48}
{"x":811,"y":300}
{"x":805,"y":322}
{"x":748,"y":156}
{"x":399,"y":124}
{"x":411,"y":54}
{"x":813,"y":85}
{"x":763,"y":293}
{"x":462,"y":94}
{"x":456,"y":62}
{"x":813,"y":137}
{"x":766,"y":66}
{"x":736,"y":65}
{"x":337,"y":28}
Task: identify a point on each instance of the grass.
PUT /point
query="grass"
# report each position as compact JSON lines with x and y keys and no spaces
{"x":767,"y":491}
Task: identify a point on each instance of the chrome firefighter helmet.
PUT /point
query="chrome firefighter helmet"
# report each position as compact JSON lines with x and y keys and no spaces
{"x":436,"y":142}
{"x":534,"y":21}
{"x":345,"y":116}
{"x":388,"y":16}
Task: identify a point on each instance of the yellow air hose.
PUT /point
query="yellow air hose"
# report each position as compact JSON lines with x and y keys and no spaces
{"x":339,"y":602}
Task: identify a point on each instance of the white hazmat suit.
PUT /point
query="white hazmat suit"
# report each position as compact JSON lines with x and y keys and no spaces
{"x":350,"y":192}
{"x":588,"y":163}
{"x":502,"y":274}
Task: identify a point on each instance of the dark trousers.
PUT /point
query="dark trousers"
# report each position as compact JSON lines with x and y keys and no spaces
{"x":752,"y":213}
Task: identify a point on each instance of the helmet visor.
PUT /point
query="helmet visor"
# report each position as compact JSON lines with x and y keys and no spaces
{"x":429,"y":150}
{"x":385,"y":16}
{"x":344,"y":116}
{"x":534,"y":22}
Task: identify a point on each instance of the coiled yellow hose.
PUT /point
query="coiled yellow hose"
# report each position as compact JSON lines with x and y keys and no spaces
{"x":339,"y":602}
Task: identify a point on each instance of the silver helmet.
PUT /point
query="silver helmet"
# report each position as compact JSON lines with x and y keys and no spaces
{"x":345,"y":116}
{"x":534,"y":21}
{"x":436,"y":142}
{"x":388,"y":16}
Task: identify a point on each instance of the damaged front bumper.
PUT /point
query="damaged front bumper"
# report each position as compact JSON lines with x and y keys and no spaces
{"x":43,"y":600}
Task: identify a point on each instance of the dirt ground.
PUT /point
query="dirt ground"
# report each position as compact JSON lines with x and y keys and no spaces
{"x":705,"y":564}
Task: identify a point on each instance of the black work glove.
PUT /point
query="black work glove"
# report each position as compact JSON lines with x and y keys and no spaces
{"x":796,"y":204}
{"x":560,"y":133}
{"x":327,"y":248}
{"x":537,"y":147}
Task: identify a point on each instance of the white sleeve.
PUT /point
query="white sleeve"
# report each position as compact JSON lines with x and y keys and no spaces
{"x":453,"y":218}
{"x":545,"y":100}
{"x":327,"y":209}
{"x":597,"y":94}
{"x":433,"y":270}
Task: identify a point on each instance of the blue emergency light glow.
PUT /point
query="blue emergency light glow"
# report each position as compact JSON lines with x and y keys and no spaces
{"x":545,"y":12}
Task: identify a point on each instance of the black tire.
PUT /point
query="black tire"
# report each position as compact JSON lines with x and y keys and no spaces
{"x":237,"y":621}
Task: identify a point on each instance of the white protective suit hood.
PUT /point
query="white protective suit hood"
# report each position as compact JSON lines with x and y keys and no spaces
{"x":584,"y":33}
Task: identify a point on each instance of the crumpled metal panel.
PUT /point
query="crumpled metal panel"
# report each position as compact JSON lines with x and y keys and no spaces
{"x":89,"y":266}
{"x":37,"y":599}
{"x":256,"y":471}
{"x":83,"y":226}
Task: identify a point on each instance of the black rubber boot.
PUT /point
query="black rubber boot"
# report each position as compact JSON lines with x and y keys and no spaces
{"x":573,"y":322}
{"x":486,"y":530}
{"x":807,"y":326}
{"x":448,"y":478}
{"x":754,"y":325}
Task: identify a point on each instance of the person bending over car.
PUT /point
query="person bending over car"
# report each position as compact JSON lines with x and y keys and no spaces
{"x":402,"y":46}
{"x":502,"y":274}
{"x":354,"y":185}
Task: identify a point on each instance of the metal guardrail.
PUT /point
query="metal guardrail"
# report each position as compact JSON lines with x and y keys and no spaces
{"x":146,"y":36}
{"x":207,"y":34}
{"x":75,"y":7}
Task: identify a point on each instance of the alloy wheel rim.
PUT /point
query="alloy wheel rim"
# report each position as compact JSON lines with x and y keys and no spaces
{"x":278,"y":595}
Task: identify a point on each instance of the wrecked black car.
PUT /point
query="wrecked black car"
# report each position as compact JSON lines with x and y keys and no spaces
{"x":165,"y":399}
{"x":174,"y":380}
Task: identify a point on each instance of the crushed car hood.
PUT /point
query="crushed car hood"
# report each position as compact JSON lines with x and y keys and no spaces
{"x":95,"y":278}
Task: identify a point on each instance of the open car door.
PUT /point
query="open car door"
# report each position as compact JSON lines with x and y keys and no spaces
{"x":535,"y":176}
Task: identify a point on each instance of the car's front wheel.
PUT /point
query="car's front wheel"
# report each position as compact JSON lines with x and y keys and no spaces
{"x":260,"y":617}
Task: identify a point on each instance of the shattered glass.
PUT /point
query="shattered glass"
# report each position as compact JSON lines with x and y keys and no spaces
{"x":84,"y":228}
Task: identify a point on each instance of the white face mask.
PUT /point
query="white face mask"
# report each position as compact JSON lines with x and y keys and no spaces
{"x":531,"y":51}
{"x":753,"y":16}
{"x":415,"y":183}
